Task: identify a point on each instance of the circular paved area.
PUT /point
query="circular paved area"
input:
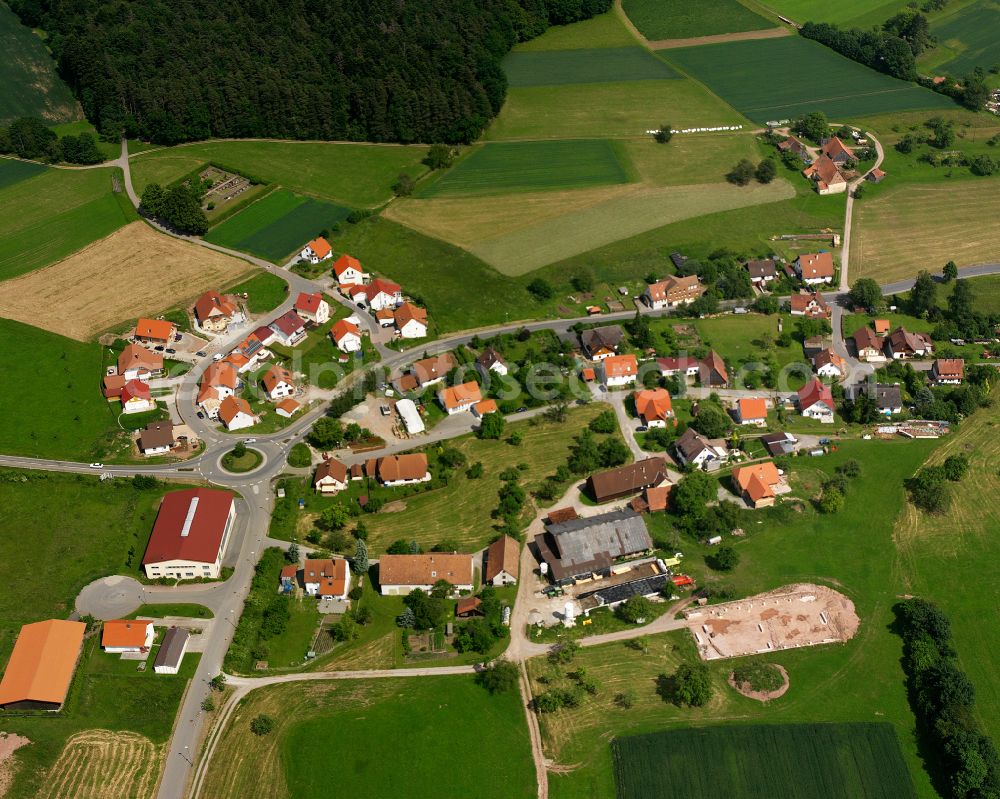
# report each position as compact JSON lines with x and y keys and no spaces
{"x":110,"y":598}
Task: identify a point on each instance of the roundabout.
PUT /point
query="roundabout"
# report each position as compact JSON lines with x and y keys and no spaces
{"x":242,"y":460}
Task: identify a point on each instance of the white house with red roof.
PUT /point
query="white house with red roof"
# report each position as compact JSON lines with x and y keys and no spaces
{"x":331,"y":477}
{"x":460,"y":398}
{"x":346,"y":335}
{"x":289,"y":329}
{"x":327,"y":578}
{"x":215,"y":312}
{"x":815,"y":268}
{"x":190,"y":534}
{"x":816,"y":401}
{"x":317,"y":250}
{"x":136,"y":397}
{"x":619,"y":370}
{"x":235,"y":413}
{"x":382,"y":293}
{"x":348,"y":272}
{"x":278,"y":383}
{"x":411,"y":321}
{"x":312,"y":308}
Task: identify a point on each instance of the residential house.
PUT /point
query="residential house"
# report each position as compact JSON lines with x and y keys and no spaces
{"x":278,"y":383}
{"x":901,"y":344}
{"x":693,"y":449}
{"x":358,"y":294}
{"x":468,"y":607}
{"x":480,"y":409}
{"x":460,"y":398}
{"x":214,"y":313}
{"x":828,"y":363}
{"x":397,"y":470}
{"x":209,"y":401}
{"x":712,"y":371}
{"x":888,"y":397}
{"x":41,"y":665}
{"x":503,"y":558}
{"x":289,"y":329}
{"x":190,"y":534}
{"x":252,"y":350}
{"x":327,"y":578}
{"x":751,"y":410}
{"x":111,"y":387}
{"x":815,"y":268}
{"x":348,"y":272}
{"x":762,"y":272}
{"x":491,"y":361}
{"x":222,"y":377}
{"x":157,"y":438}
{"x":778,"y":444}
{"x":868,"y":345}
{"x":791,"y":144}
{"x":136,"y":397}
{"x":654,"y":408}
{"x":312,"y":308}
{"x":759,"y":484}
{"x":384,"y":294}
{"x":673,"y":291}
{"x":385,"y":317}
{"x":814,"y":345}
{"x":629,"y":479}
{"x":317,"y":250}
{"x":346,"y":335}
{"x":601,"y":342}
{"x":679,"y":367}
{"x":838,"y":152}
{"x":809,"y":304}
{"x":619,"y":370}
{"x":138,"y":363}
{"x":583,"y":548}
{"x":127,"y":635}
{"x":433,"y":370}
{"x":287,"y":408}
{"x":411,"y":321}
{"x":948,"y":371}
{"x":171,"y":653}
{"x":155,"y":331}
{"x":825,"y":174}
{"x":816,"y":401}
{"x":398,"y":575}
{"x":882,"y":327}
{"x":235,"y":413}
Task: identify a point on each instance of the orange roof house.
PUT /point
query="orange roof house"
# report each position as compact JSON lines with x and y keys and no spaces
{"x":620,"y":369}
{"x":882,"y":327}
{"x":139,"y":362}
{"x":653,"y":406}
{"x":159,"y":330}
{"x":751,"y":410}
{"x":126,"y":635}
{"x":349,"y":264}
{"x":816,"y":267}
{"x":41,"y":666}
{"x":461,"y":397}
{"x":758,"y":484}
{"x":321,"y":247}
{"x":212,"y":304}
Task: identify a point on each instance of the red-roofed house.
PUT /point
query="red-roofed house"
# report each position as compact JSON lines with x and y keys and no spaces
{"x":653,"y":407}
{"x":619,"y":370}
{"x":327,"y":578}
{"x":815,"y":268}
{"x":411,"y":321}
{"x":825,"y":174}
{"x":752,"y":410}
{"x":673,"y":291}
{"x":190,"y":534}
{"x":809,"y":304}
{"x":347,"y":269}
{"x":289,"y":328}
{"x":316,"y":250}
{"x":331,"y":477}
{"x":138,"y":363}
{"x":136,"y":397}
{"x":312,"y":308}
{"x":901,"y":344}
{"x":235,"y":413}
{"x":828,"y":363}
{"x":759,"y":484}
{"x":278,"y":383}
{"x":816,"y":401}
{"x":480,"y":409}
{"x":383,"y":294}
{"x":287,"y":408}
{"x":503,"y":562}
{"x":346,"y":335}
{"x":460,"y":398}
{"x":838,"y":152}
{"x":155,"y":331}
{"x":948,"y":371}
{"x":214,"y":312}
{"x":127,"y":635}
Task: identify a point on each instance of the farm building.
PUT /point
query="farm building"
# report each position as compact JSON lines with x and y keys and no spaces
{"x":398,"y":575}
{"x":127,"y":635}
{"x":625,"y":480}
{"x":190,"y":534}
{"x":41,"y":666}
{"x":172,"y":648}
{"x":502,"y":562}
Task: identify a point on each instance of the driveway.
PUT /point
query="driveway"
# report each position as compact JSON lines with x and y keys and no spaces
{"x":110,"y":597}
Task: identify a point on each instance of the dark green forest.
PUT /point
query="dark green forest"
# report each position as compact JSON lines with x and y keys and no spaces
{"x":368,"y":70}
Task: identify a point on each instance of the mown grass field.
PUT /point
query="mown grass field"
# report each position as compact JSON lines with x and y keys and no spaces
{"x":857,"y":13}
{"x":689,"y":159}
{"x":58,"y":211}
{"x":660,"y":19}
{"x":595,"y":65}
{"x":277,"y":225}
{"x":785,"y":77}
{"x":351,"y":174}
{"x":837,"y":761}
{"x":13,"y":171}
{"x":503,"y":167}
{"x":968,"y":38}
{"x":921,"y":226}
{"x":435,"y":720}
{"x":31,"y":86}
{"x":604,"y":30}
{"x":265,"y":292}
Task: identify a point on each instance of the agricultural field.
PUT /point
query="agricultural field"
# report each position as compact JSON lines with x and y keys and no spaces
{"x":689,"y":159}
{"x":967,"y":38}
{"x":277,"y":225}
{"x":58,"y":212}
{"x":850,"y":13}
{"x":504,"y":167}
{"x":72,"y":297}
{"x":674,"y":19}
{"x":604,"y":30}
{"x":596,"y":65}
{"x":837,"y":761}
{"x":757,"y":78}
{"x":347,"y":174}
{"x":13,"y":171}
{"x":28,"y":75}
{"x":921,"y":226}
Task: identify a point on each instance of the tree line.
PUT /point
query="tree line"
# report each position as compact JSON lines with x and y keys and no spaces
{"x":374,"y":70}
{"x":30,"y":138}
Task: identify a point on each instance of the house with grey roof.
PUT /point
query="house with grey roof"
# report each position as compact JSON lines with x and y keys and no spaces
{"x":580,"y":548}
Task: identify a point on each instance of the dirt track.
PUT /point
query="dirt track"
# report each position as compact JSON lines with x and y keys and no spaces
{"x":133,"y":271}
{"x":767,"y":33}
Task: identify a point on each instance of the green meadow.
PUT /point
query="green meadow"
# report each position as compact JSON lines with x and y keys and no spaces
{"x":676,"y":19}
{"x":597,"y":65}
{"x":849,"y":13}
{"x":968,"y":38}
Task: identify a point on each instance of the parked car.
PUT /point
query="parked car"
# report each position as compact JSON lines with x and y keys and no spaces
{"x":218,"y":356}
{"x":201,"y":415}
{"x":97,"y":466}
{"x":641,"y":429}
{"x":522,"y":409}
{"x":170,"y":351}
{"x":201,"y":353}
{"x":159,"y":348}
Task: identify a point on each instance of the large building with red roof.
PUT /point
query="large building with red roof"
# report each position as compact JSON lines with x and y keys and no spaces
{"x":190,"y":534}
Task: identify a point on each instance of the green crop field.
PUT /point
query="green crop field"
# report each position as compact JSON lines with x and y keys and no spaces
{"x":13,"y":171}
{"x":607,"y":65}
{"x":972,"y":35}
{"x":58,"y":211}
{"x":31,"y":86}
{"x":604,"y":30}
{"x":835,"y":761}
{"x":432,"y":719}
{"x":500,"y":168}
{"x":849,"y":13}
{"x":676,"y":19}
{"x":789,"y":76}
{"x":349,"y":174}
{"x":277,"y":225}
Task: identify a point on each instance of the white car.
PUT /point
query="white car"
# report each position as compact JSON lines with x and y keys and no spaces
{"x":249,"y":440}
{"x":97,"y":466}
{"x":218,"y":356}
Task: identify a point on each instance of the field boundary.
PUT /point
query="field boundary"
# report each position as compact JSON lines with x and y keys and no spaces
{"x":719,"y":38}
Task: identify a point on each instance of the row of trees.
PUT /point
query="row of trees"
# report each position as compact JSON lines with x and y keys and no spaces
{"x":178,"y":206}
{"x":882,"y":50}
{"x":745,"y":171}
{"x":178,"y":70}
{"x":929,"y":487}
{"x":31,"y":138}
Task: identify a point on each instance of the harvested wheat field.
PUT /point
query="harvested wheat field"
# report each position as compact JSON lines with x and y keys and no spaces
{"x":99,"y":764}
{"x":132,"y":272}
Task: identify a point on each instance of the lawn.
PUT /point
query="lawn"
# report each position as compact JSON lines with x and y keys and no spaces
{"x":689,"y":159}
{"x":501,"y":168}
{"x":969,"y":36}
{"x":277,"y":225}
{"x":13,"y":171}
{"x":348,"y":174}
{"x":431,"y":719}
{"x":182,"y":609}
{"x":595,"y":65}
{"x":675,"y":19}
{"x":28,"y":75}
{"x":59,"y":211}
{"x":755,"y":77}
{"x":265,"y":292}
{"x":836,"y":761}
{"x":923,"y":226}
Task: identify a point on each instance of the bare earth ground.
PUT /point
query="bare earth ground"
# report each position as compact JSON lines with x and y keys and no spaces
{"x":132,"y":272}
{"x":98,"y":764}
{"x":762,"y":696}
{"x":787,"y":618}
{"x":766,"y":33}
{"x":9,"y":743}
